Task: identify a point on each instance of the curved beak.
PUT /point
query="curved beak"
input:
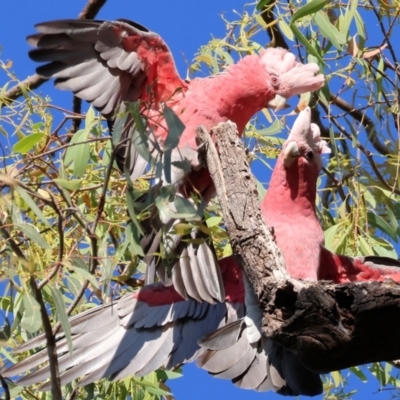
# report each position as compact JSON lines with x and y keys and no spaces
{"x":278,"y":103}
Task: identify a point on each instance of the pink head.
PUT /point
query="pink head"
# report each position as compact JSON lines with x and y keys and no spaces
{"x":304,"y":142}
{"x":295,"y":175}
{"x":289,"y":77}
{"x":289,"y":205}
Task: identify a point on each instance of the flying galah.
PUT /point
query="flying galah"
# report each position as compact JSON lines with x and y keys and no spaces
{"x":109,"y":63}
{"x":156,"y":327}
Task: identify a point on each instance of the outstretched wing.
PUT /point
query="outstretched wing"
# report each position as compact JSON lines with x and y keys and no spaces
{"x":263,"y":365}
{"x":129,"y":336}
{"x":106,"y":63}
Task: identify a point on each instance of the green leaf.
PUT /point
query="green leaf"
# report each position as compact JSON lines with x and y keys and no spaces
{"x":261,"y":190}
{"x":392,"y":218}
{"x":90,"y":119}
{"x":348,"y":17}
{"x":359,"y":374}
{"x":328,"y":30}
{"x":78,"y":152}
{"x":387,"y":251}
{"x":366,"y":249}
{"x":131,"y":203}
{"x":262,"y":3}
{"x":273,"y":129}
{"x":175,"y":128}
{"x":73,"y":184}
{"x":360,"y":28}
{"x":134,"y":239}
{"x":163,"y":375}
{"x":62,"y":315}
{"x":333,"y":240}
{"x":310,"y":8}
{"x":26,"y":144}
{"x":180,"y":207}
{"x":32,"y":205}
{"x":167,"y":165}
{"x":302,"y":39}
{"x":185,"y":208}
{"x":32,"y":233}
{"x":119,"y":126}
{"x":81,"y":161}
{"x":213,"y":221}
{"x":5,"y":329}
{"x":285,"y":28}
{"x":31,"y":320}
{"x":378,"y":78}
{"x":85,"y":274}
{"x":378,"y":222}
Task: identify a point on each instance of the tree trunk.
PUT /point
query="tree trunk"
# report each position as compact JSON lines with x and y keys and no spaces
{"x":331,"y":327}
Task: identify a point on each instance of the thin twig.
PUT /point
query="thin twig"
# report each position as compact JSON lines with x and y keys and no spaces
{"x":5,"y":387}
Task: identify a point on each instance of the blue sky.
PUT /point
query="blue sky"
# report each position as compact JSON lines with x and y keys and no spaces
{"x":185,"y":26}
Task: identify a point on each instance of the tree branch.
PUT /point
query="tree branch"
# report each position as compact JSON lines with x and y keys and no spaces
{"x":329,"y":326}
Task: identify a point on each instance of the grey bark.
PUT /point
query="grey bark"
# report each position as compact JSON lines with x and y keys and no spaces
{"x":331,"y":327}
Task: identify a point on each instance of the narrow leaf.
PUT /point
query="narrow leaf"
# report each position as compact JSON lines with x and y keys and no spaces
{"x":32,"y":205}
{"x":302,"y":39}
{"x":62,"y":315}
{"x":175,"y":128}
{"x":310,"y":8}
{"x":378,"y":222}
{"x":328,"y":30}
{"x":31,"y":320}
{"x":133,"y":235}
{"x":86,"y":275}
{"x":32,"y":233}
{"x":73,"y":184}
{"x":26,"y":144}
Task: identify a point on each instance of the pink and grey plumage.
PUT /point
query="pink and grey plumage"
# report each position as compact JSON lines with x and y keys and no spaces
{"x":155,"y":326}
{"x":109,"y":63}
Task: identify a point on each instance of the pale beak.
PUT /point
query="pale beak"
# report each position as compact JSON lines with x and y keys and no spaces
{"x":290,"y":154}
{"x":278,"y":103}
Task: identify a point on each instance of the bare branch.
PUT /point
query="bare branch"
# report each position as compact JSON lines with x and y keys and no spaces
{"x":364,"y":120}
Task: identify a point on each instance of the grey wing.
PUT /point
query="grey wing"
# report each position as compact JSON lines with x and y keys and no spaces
{"x":191,"y":265}
{"x":87,"y":58}
{"x":124,"y":338}
{"x":260,"y":366}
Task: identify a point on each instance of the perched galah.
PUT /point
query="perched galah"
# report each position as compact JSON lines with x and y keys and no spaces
{"x":108,"y":63}
{"x":155,"y":327}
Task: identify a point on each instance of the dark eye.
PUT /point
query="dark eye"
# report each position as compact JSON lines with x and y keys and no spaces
{"x":274,"y":81}
{"x":309,"y":154}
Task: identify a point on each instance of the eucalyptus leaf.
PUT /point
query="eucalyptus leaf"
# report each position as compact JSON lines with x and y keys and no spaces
{"x":26,"y":144}
{"x":329,"y":31}
{"x":62,"y":315}
{"x":175,"y":128}
{"x":32,"y":205}
{"x":310,"y":8}
{"x":31,"y":320}
{"x":73,"y":184}
{"x":31,"y":232}
{"x":302,"y":39}
{"x":378,"y":222}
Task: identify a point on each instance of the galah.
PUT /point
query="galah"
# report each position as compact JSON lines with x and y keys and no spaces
{"x":109,"y":63}
{"x":156,"y":327}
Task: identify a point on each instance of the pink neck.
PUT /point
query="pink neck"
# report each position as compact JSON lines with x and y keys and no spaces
{"x":292,"y":188}
{"x":245,"y":91}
